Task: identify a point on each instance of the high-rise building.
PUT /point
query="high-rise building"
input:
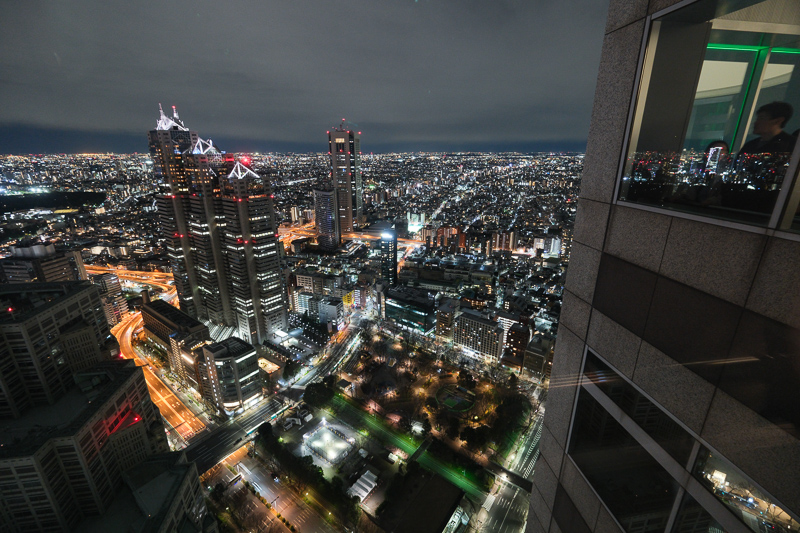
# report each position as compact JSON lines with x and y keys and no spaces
{"x":41,"y":262}
{"x":236,"y":366}
{"x":48,"y":331}
{"x":115,"y":305}
{"x":504,"y":241}
{"x":389,"y":257}
{"x":326,"y":218}
{"x":478,"y":334}
{"x":344,"y":147}
{"x":675,"y":382}
{"x":177,"y":333}
{"x":167,"y":494}
{"x":218,"y":220}
{"x":62,"y":462}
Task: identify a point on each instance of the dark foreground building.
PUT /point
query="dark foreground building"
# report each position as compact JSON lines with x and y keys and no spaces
{"x":673,"y":404}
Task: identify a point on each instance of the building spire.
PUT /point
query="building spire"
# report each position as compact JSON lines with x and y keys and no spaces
{"x":166,"y":123}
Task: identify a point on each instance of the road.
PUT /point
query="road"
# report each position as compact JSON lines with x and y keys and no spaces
{"x":508,"y":511}
{"x":160,"y":280}
{"x":307,"y":230}
{"x":177,"y":415}
{"x":214,"y":445}
{"x":528,"y":450}
{"x":286,"y":502}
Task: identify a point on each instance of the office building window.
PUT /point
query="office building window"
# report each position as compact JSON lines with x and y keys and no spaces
{"x":692,"y":518}
{"x":637,"y":490}
{"x":716,"y":116}
{"x":655,"y":422}
{"x":757,"y":509}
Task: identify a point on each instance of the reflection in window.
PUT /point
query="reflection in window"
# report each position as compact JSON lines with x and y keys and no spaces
{"x":636,"y":489}
{"x":657,"y":424}
{"x":702,"y":139}
{"x":748,"y":503}
{"x":692,"y":518}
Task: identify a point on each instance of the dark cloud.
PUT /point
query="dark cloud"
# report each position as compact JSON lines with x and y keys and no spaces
{"x":430,"y":74}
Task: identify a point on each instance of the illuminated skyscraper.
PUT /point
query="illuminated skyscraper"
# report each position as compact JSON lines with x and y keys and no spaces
{"x":219,"y":225}
{"x":389,"y":257}
{"x":326,"y":218}
{"x":344,"y":147}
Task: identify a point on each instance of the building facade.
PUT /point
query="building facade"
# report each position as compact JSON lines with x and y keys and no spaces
{"x":47,"y":332}
{"x":344,"y":147}
{"x":41,"y":263}
{"x":168,"y":497}
{"x":476,"y":333}
{"x":236,"y":366}
{"x":389,"y":257}
{"x":218,"y":220}
{"x":326,"y":218}
{"x":674,"y":386}
{"x":115,"y":305}
{"x":63,"y":462}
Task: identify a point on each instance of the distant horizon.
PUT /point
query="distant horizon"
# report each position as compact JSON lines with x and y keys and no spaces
{"x":24,"y":140}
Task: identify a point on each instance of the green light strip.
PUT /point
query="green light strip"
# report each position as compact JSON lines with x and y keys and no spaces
{"x":746,"y":48}
{"x":737,"y":47}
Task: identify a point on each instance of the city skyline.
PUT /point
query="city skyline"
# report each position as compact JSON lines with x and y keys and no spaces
{"x":429,"y":76}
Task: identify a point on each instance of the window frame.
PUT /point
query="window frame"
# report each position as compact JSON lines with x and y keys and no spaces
{"x":780,"y":219}
{"x":683,"y":474}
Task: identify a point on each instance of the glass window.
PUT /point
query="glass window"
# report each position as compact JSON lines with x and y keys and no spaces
{"x":655,"y":422}
{"x":636,"y":489}
{"x":692,"y":518}
{"x":715,"y":122}
{"x":747,"y":502}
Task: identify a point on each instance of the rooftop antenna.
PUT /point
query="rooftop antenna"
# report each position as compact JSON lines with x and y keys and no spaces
{"x":175,"y":113}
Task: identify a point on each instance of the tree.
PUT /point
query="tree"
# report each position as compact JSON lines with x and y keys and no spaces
{"x":329,"y":381}
{"x":426,"y":427}
{"x":513,"y":381}
{"x":317,"y":394}
{"x":466,"y":380}
{"x":265,"y":432}
{"x":381,"y":348}
{"x":431,"y":403}
{"x":218,"y":491}
{"x":453,"y":428}
{"x":477,"y":438}
{"x":291,"y":368}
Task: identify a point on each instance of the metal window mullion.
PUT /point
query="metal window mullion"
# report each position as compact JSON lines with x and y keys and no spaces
{"x":658,"y":453}
{"x":751,"y":98}
{"x":708,"y":501}
{"x":676,"y":506}
{"x":786,"y":205}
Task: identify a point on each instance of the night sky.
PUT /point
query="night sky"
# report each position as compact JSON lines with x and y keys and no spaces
{"x":432,"y":75}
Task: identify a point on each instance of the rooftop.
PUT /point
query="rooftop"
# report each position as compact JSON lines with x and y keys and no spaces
{"x":171,"y":314}
{"x":234,"y":345}
{"x":20,"y":301}
{"x":65,"y":417}
{"x":153,"y":484}
{"x":475,"y":316}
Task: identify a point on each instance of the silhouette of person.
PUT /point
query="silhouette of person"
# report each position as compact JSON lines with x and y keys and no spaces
{"x":770,"y":121}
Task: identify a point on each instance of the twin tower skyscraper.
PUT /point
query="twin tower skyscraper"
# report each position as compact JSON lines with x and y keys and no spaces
{"x":218,"y":220}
